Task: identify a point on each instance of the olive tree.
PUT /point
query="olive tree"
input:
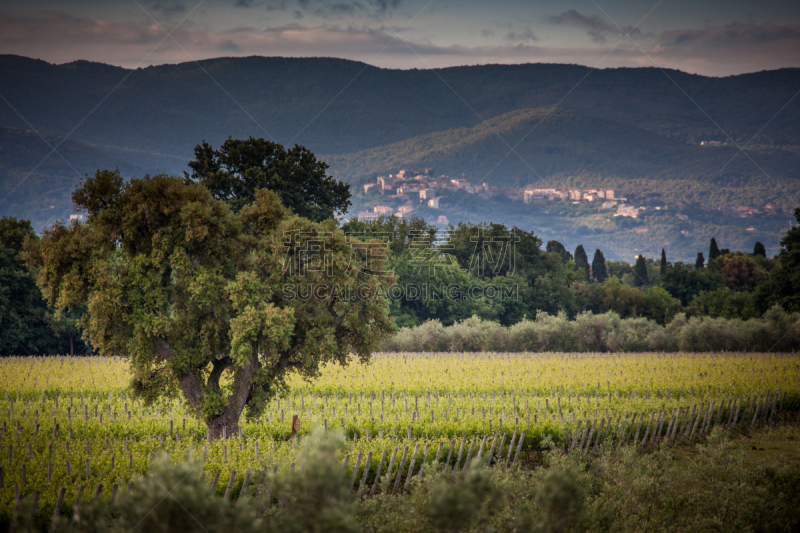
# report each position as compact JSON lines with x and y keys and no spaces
{"x":216,"y":305}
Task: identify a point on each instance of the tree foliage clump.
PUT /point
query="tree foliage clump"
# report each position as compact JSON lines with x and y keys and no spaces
{"x":783,"y":285}
{"x":238,"y":168}
{"x":216,"y":305}
{"x":640,"y":277}
{"x":582,"y":262}
{"x":28,"y":325}
{"x":599,"y":272}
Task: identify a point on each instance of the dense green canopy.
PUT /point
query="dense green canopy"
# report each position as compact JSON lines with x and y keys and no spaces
{"x":239,"y":167}
{"x":220,"y":306}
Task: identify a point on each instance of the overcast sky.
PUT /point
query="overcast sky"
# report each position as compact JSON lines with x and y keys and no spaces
{"x":711,"y":37}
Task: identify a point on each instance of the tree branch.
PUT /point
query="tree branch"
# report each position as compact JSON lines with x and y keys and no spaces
{"x":162,"y":348}
{"x":219,"y":366}
{"x":242,"y":382}
{"x":187,"y":381}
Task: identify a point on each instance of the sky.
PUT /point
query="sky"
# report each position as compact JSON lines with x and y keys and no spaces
{"x":708,"y":37}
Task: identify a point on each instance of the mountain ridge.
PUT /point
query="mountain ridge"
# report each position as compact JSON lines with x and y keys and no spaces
{"x":168,"y":109}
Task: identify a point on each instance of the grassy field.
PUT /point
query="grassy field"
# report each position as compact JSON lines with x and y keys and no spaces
{"x":71,"y":422}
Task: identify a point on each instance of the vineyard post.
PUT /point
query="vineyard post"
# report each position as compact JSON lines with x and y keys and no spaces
{"x":670,"y":424}
{"x":378,"y":473}
{"x":460,"y":454}
{"x":677,"y":424}
{"x":469,"y":453}
{"x":449,"y":454}
{"x":662,"y":415}
{"x":688,"y":423}
{"x":362,"y":485}
{"x":638,"y":429}
{"x":423,"y":459}
{"x":774,"y":405}
{"x":230,"y":485}
{"x":510,"y":448}
{"x":244,"y":487}
{"x":438,"y":452}
{"x":400,"y":467}
{"x":355,"y":471}
{"x":519,"y":448}
{"x":77,"y":503}
{"x":599,"y":435}
{"x":749,"y":406}
{"x":57,"y":510}
{"x":575,"y":434}
{"x":410,"y":469}
{"x":483,"y":444}
{"x":601,"y":438}
{"x":388,"y":483}
{"x":696,"y":421}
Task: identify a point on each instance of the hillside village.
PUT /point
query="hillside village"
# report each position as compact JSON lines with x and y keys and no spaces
{"x":421,"y":188}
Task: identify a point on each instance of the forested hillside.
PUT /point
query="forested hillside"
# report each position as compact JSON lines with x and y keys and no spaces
{"x":333,"y":106}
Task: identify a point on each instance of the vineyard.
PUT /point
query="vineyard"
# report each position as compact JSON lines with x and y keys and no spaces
{"x":71,"y":428}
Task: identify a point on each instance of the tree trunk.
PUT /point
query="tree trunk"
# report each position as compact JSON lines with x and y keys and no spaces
{"x":228,"y":419}
{"x":71,"y":345}
{"x":193,"y":392}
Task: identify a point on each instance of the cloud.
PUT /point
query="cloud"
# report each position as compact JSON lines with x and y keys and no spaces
{"x":732,"y":35}
{"x":337,"y":10}
{"x":228,"y":46}
{"x":525,"y":35}
{"x":598,"y":29}
{"x":167,"y":8}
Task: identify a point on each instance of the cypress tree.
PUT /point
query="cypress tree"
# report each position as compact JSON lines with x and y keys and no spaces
{"x":640,"y":272}
{"x":582,"y":261}
{"x":701,"y":261}
{"x":599,"y":271}
{"x":663,"y":269}
{"x":713,"y":250}
{"x":759,"y":249}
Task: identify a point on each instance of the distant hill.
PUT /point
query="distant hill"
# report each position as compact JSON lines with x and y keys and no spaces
{"x":154,"y":116}
{"x":29,"y":191}
{"x":557,"y":146}
{"x":524,"y":145}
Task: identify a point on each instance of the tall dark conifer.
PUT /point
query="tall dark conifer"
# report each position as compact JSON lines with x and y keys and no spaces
{"x":700,"y":262}
{"x":713,"y":250}
{"x":599,"y":272}
{"x":582,"y":261}
{"x":663,"y":267}
{"x":640,"y":278}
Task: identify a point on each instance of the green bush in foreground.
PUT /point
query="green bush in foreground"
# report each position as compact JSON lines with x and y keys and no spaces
{"x":714,"y":488}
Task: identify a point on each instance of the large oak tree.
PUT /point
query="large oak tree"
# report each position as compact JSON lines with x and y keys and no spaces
{"x":207,"y":302}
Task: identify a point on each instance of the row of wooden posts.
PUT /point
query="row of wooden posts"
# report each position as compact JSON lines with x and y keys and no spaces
{"x":681,"y":426}
{"x":362,"y":488}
